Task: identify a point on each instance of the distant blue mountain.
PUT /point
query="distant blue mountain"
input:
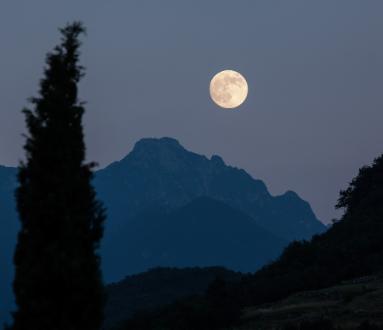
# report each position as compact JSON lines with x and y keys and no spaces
{"x":160,"y":172}
{"x":168,"y":206}
{"x":204,"y":232}
{"x":159,"y":175}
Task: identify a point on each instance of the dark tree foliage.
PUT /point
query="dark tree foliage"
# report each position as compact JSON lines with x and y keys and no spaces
{"x":58,"y":282}
{"x":161,"y":286}
{"x":217,"y":309}
{"x":365,"y":190}
{"x":352,"y":247}
{"x":366,"y":325}
{"x":312,"y":325}
{"x":325,"y":324}
{"x":224,"y":309}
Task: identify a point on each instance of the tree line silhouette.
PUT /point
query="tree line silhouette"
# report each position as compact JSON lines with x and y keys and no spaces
{"x":57,"y":281}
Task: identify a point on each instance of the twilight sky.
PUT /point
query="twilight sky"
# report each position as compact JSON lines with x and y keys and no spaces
{"x":314,"y":113}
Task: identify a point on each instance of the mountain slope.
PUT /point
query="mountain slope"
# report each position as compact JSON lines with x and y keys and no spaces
{"x":204,"y":232}
{"x":161,"y":173}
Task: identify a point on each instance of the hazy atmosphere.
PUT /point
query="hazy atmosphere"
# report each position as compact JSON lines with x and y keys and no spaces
{"x":315,"y":72}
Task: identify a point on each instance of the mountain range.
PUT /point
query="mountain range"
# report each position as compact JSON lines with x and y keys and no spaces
{"x":333,"y":281}
{"x":159,"y":182}
{"x":167,"y":206}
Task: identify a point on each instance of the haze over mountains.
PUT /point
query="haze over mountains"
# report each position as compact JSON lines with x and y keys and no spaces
{"x":167,"y":206}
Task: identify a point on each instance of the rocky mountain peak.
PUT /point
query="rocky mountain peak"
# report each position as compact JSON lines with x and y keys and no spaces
{"x":217,"y":160}
{"x":157,"y":144}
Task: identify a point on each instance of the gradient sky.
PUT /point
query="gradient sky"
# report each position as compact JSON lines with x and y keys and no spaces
{"x":314,"y":114}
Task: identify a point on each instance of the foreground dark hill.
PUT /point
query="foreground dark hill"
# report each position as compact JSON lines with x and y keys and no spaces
{"x":349,"y":305}
{"x":159,"y":286}
{"x":352,"y":247}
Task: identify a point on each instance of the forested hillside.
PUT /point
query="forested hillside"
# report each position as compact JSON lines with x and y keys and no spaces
{"x":351,"y":249}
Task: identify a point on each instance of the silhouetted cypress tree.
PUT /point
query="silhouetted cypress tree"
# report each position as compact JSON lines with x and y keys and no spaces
{"x":58,"y":281}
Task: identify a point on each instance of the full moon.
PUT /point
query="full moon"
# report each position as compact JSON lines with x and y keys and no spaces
{"x":228,"y":89}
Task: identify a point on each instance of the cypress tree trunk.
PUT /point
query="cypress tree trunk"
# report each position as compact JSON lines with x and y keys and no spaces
{"x":58,"y":281}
